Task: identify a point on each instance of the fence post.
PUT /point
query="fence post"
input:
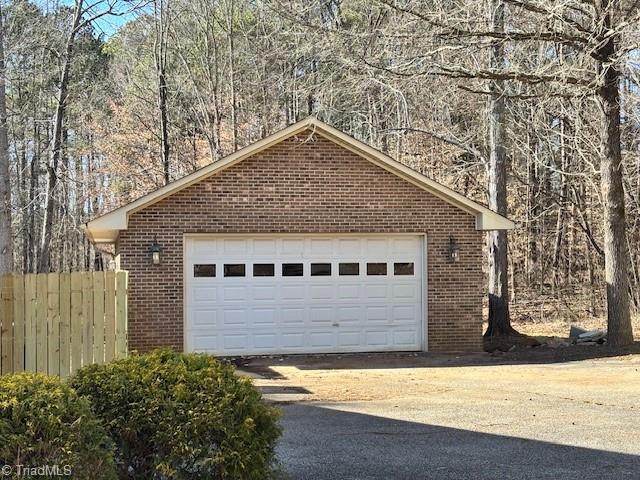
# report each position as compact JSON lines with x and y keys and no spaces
{"x":121,"y":314}
{"x":6,"y":323}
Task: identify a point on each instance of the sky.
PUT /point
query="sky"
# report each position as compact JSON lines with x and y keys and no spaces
{"x":108,"y":24}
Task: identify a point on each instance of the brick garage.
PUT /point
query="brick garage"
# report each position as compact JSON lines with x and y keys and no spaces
{"x":306,"y":182}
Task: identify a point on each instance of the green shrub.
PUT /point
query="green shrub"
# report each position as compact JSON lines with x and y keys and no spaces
{"x":182,"y":416}
{"x":43,"y":422}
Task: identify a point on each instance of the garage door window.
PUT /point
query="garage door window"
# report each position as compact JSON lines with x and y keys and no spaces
{"x":349,"y":269}
{"x":204,"y":270}
{"x":403,"y":268}
{"x":292,"y":270}
{"x":263,"y":270}
{"x":320,"y":269}
{"x":376,"y":268}
{"x":234,"y":270}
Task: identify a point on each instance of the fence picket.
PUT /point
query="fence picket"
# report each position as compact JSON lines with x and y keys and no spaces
{"x":41,"y":322}
{"x":18,"y":323}
{"x":53,"y":323}
{"x":98,"y":317}
{"x":121,"y":314}
{"x":76,"y":321}
{"x":6,"y":323}
{"x":87,"y":318}
{"x":110,"y":316}
{"x":30,"y":294}
{"x":65,"y":324}
{"x":58,"y":322}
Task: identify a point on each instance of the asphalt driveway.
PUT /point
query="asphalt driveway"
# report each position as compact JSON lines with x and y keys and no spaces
{"x":478,"y":417}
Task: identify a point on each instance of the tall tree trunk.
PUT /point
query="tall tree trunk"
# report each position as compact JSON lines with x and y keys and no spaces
{"x":160,"y":54}
{"x":616,"y":255}
{"x":164,"y":124}
{"x":232,"y":75}
{"x":44,"y":260}
{"x":499,"y":320}
{"x":6,"y":237}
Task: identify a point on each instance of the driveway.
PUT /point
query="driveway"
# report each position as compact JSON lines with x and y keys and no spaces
{"x":457,"y":417}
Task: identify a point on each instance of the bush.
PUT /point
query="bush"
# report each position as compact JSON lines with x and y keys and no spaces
{"x":43,"y":422}
{"x":182,"y":416}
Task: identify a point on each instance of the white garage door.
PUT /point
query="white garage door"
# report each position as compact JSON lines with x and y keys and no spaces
{"x":303,"y":294}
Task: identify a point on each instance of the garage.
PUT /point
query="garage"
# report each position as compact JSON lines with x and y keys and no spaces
{"x":305,"y":241}
{"x":304,"y":294}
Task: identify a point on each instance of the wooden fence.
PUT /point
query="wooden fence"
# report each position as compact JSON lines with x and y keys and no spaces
{"x":57,"y":322}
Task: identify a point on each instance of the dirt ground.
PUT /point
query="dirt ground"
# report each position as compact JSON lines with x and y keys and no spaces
{"x":560,"y":328}
{"x":534,"y":413}
{"x":584,"y":373}
{"x":555,"y":410}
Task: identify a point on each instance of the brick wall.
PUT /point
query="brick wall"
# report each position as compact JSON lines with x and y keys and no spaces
{"x":302,"y":185}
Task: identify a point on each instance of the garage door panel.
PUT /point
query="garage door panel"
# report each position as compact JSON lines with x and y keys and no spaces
{"x":351,"y":313}
{"x":205,"y":343}
{"x":235,"y":341}
{"x":205,"y":317}
{"x":235,"y":293}
{"x":292,"y":247}
{"x":321,"y":339}
{"x":400,"y":246}
{"x":403,"y":314}
{"x":377,"y":291}
{"x":315,"y":314}
{"x":235,"y":246}
{"x":322,"y":315}
{"x":350,"y":247}
{"x":349,"y":339}
{"x":402,"y":338}
{"x":265,"y":341}
{"x":292,"y":316}
{"x":263,"y":317}
{"x":405,"y":291}
{"x":348,"y":291}
{"x":377,"y":247}
{"x":265,"y":293}
{"x":293,"y":292}
{"x":321,"y":292}
{"x":264,"y":247}
{"x":320,"y":246}
{"x":379,"y":338}
{"x":376,"y":313}
{"x":205,"y":293}
{"x":234,"y":318}
{"x":291,"y":340}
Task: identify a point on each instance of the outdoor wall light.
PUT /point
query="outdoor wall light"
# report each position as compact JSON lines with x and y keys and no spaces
{"x":154,"y":251}
{"x":454,"y":250}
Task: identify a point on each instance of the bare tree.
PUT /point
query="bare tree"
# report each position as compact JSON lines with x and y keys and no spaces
{"x":6,"y":239}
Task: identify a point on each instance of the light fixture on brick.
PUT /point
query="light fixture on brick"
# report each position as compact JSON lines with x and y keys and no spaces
{"x":454,"y":250}
{"x":154,"y":251}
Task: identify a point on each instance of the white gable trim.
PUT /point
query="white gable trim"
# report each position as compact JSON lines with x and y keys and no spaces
{"x":105,"y":229}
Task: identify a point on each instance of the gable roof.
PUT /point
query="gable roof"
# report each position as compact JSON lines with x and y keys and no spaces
{"x":105,"y":229}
